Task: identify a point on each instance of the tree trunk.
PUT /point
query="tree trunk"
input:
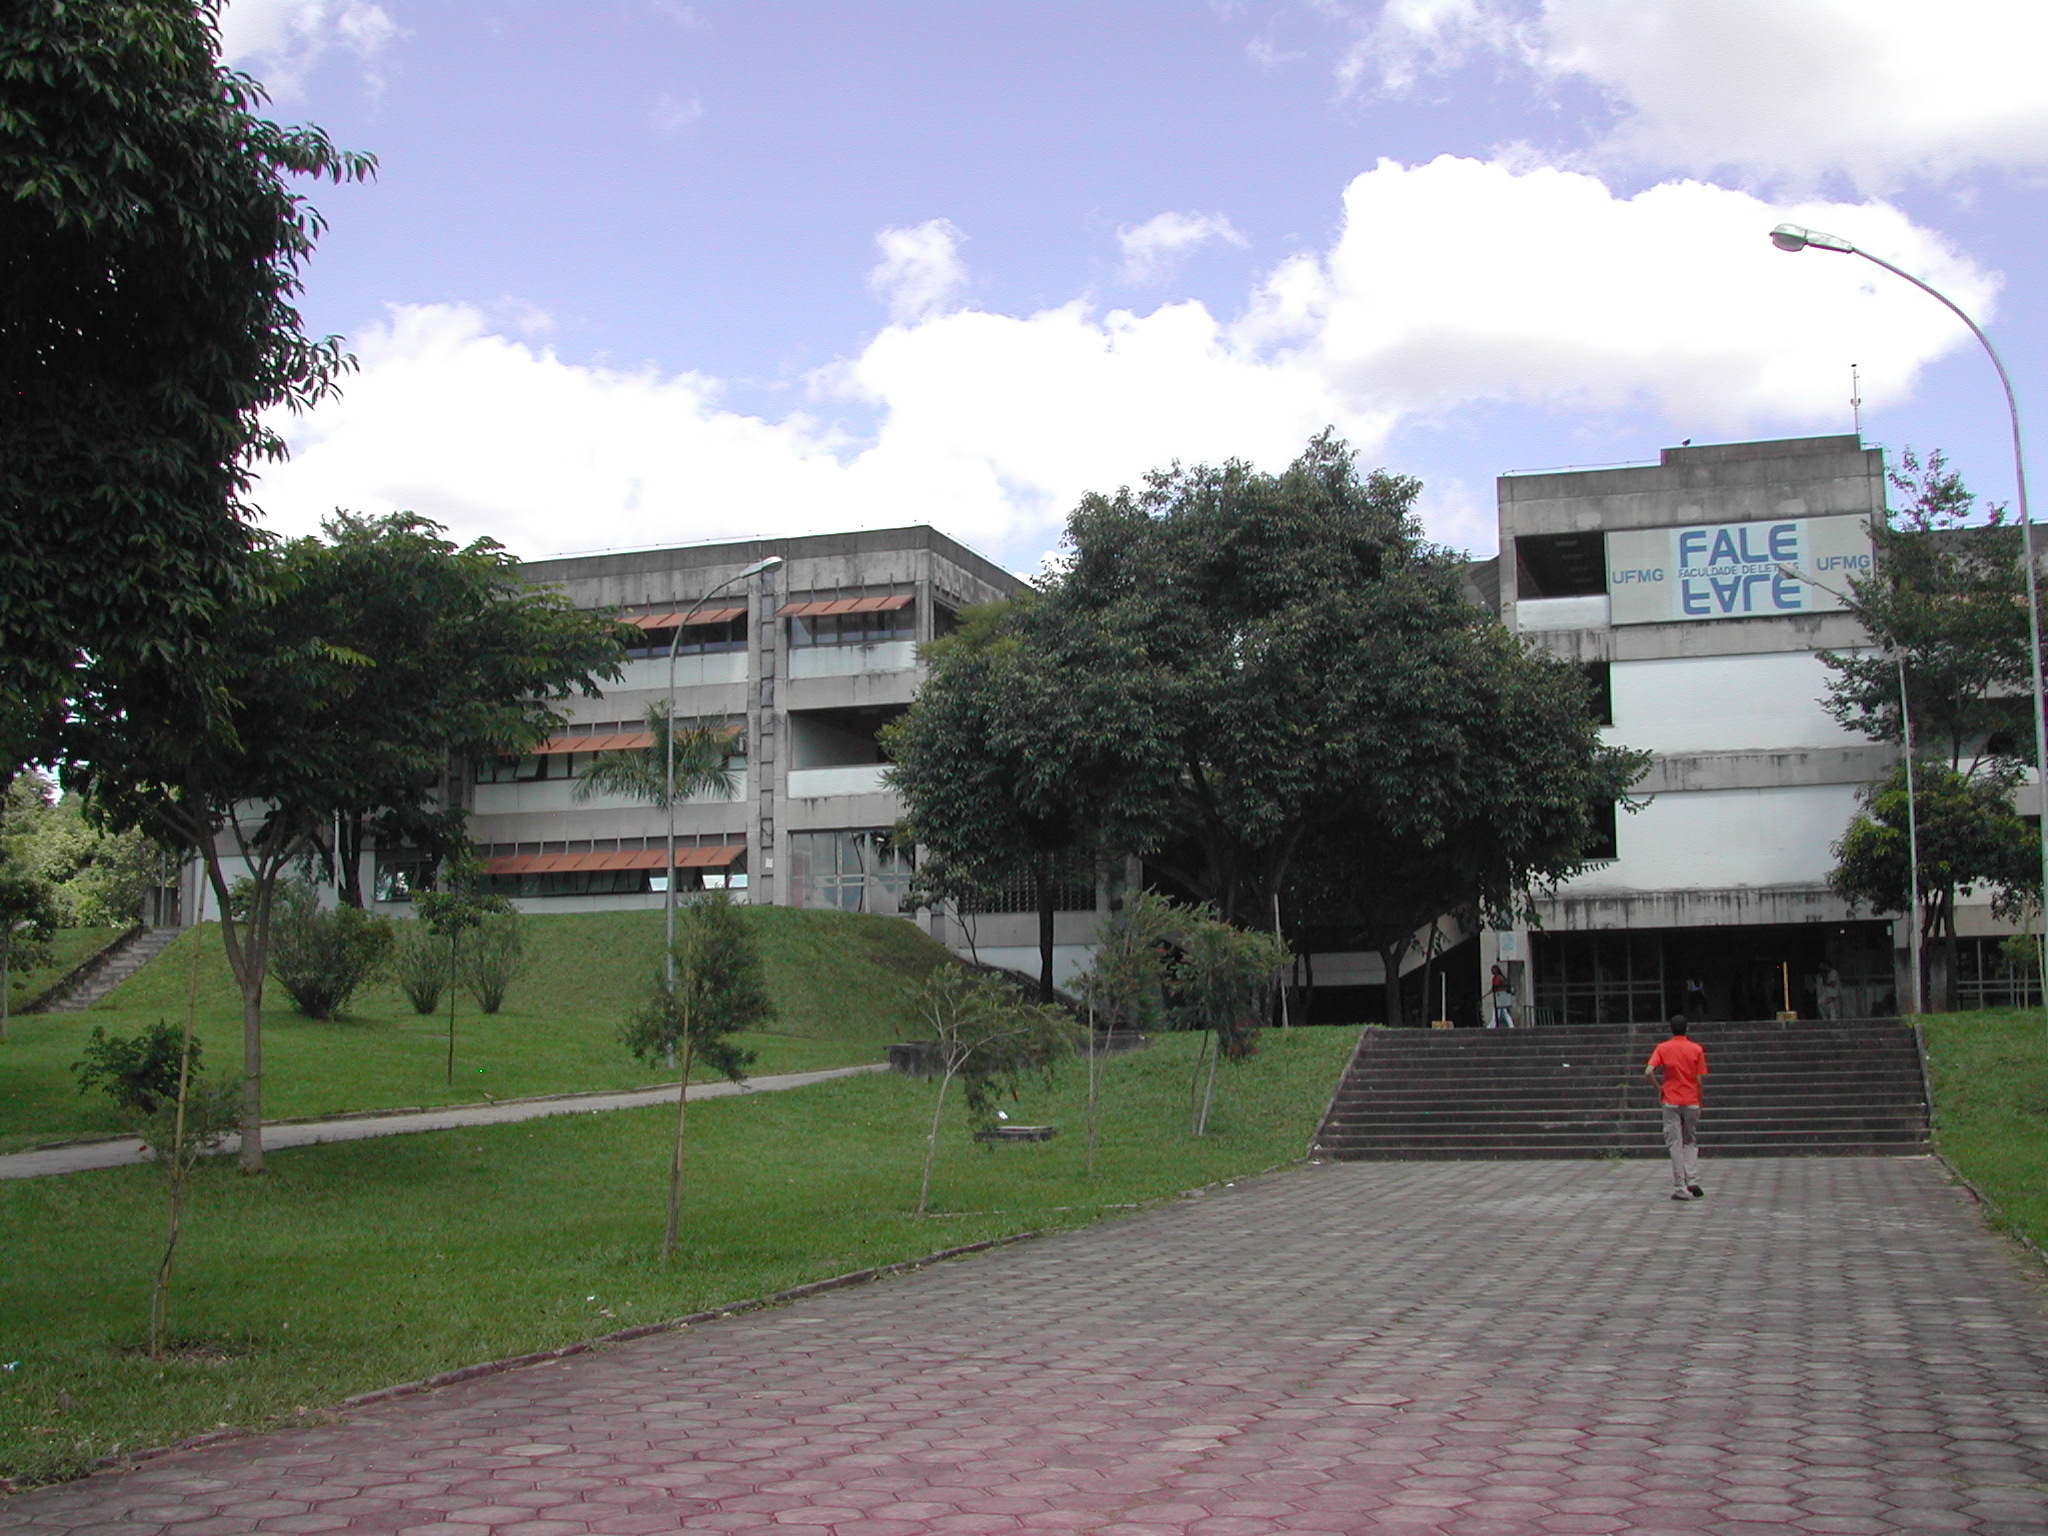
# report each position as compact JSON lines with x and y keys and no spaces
{"x":931,"y":1136}
{"x":348,"y":859}
{"x":453,"y":987}
{"x":1209,"y":1091}
{"x":160,"y":1296}
{"x":675,"y":1157}
{"x":251,"y":1157}
{"x":1094,"y":1075}
{"x":1042,"y":877}
{"x":1390,"y":961}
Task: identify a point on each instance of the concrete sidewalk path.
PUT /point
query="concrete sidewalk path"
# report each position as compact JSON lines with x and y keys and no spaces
{"x":305,"y":1133}
{"x":1824,"y":1345}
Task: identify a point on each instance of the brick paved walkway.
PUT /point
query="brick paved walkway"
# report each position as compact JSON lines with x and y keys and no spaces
{"x":1478,"y":1349}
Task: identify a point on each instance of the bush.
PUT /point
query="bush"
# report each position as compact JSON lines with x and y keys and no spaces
{"x":419,"y":962}
{"x":320,"y":958}
{"x":139,"y":1075}
{"x":493,"y":954}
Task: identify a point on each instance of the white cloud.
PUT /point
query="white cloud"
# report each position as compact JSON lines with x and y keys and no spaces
{"x":1453,"y":283}
{"x":920,"y":272}
{"x":671,"y":115}
{"x":281,"y":41}
{"x":1153,"y":248}
{"x":1880,"y":92}
{"x":1462,"y":281}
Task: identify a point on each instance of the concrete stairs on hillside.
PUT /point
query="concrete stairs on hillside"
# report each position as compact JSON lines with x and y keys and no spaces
{"x":117,"y":962}
{"x":1851,"y":1088}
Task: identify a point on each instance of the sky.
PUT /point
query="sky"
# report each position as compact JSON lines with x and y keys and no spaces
{"x":637,"y":272}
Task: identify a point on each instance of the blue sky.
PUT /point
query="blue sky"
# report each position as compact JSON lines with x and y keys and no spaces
{"x":644,"y":272}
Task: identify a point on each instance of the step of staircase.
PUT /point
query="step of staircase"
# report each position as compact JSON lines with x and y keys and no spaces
{"x":1847,"y":1088}
{"x":118,"y":962}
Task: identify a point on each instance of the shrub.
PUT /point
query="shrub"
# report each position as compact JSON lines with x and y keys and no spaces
{"x":139,"y":1075}
{"x":419,"y":961}
{"x":320,"y":958}
{"x":493,"y":954}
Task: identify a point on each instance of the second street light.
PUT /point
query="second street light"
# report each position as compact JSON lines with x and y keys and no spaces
{"x":1794,"y":237}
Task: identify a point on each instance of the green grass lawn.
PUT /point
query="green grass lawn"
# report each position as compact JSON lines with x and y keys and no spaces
{"x":68,"y":947}
{"x":1990,"y":1082}
{"x":360,"y":1265}
{"x":842,"y":985}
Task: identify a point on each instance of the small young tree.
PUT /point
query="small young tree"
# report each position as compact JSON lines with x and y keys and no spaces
{"x":719,"y":989}
{"x":419,"y":962}
{"x":494,"y":958}
{"x":987,"y":1039}
{"x":321,"y":958}
{"x":29,"y":916}
{"x":1224,"y":978}
{"x":1124,"y":984}
{"x":451,"y":912}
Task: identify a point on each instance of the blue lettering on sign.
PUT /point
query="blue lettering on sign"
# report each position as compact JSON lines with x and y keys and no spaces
{"x":1690,"y":543}
{"x":1693,"y":600}
{"x":1622,"y":578}
{"x":1785,"y":542}
{"x":1741,"y":569}
{"x":1787,"y":596}
{"x":1723,"y":542}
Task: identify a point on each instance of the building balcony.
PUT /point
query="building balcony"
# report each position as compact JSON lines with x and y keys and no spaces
{"x":852,"y":779}
{"x":852,"y":660}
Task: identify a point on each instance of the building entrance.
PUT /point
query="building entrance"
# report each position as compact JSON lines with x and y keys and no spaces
{"x":1839,"y":970}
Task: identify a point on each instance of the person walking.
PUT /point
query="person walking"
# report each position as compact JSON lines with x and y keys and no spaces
{"x":1501,"y":998}
{"x":1676,"y":1067}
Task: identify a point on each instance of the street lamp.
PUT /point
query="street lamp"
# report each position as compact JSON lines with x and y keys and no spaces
{"x":669,"y":739}
{"x":1793,"y":237}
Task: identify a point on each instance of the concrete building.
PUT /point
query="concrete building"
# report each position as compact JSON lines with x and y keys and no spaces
{"x":1698,"y":592}
{"x":804,"y":664}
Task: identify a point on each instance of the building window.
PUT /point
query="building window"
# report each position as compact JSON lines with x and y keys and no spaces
{"x":1603,"y":844}
{"x":851,"y":871}
{"x":1560,"y":565}
{"x":1073,"y":891}
{"x":1988,"y":975}
{"x":698,"y":640}
{"x":1599,"y":677}
{"x":854,"y":628}
{"x":1599,"y":978}
{"x":400,"y":874}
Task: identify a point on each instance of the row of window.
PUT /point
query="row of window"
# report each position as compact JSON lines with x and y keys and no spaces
{"x":696,"y":640}
{"x":804,"y":630}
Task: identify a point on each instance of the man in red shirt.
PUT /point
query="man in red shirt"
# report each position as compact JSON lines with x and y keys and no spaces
{"x":1676,"y":1067}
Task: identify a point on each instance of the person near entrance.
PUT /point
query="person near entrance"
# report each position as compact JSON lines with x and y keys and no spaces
{"x":1676,"y":1067}
{"x":1500,"y":1001}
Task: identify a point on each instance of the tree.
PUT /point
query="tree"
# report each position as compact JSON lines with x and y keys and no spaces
{"x":494,"y":959}
{"x":321,"y":958}
{"x":150,"y":250}
{"x":703,"y":764}
{"x":1945,"y":599}
{"x":988,"y":1040}
{"x":1308,"y":670}
{"x":1223,"y":979}
{"x":292,"y":723}
{"x":455,"y":909}
{"x":1969,"y":834}
{"x":29,"y":918}
{"x":1125,"y":981}
{"x":718,"y":989}
{"x":1021,"y":753}
{"x":98,"y":880}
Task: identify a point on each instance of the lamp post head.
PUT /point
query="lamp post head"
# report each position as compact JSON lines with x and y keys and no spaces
{"x":1794,"y":237}
{"x":759,"y":566}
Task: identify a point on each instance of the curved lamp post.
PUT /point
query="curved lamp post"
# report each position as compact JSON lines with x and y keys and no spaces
{"x":668,"y":788}
{"x":1793,"y":237}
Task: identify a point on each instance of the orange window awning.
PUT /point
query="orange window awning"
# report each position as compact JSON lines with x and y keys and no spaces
{"x":718,"y":857}
{"x":820,"y":608}
{"x":615,"y":741}
{"x":682,"y":616}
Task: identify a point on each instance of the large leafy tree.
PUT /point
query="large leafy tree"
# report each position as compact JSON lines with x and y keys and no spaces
{"x":1023,"y":753}
{"x":150,"y":248}
{"x":345,"y":681}
{"x":1313,"y":689}
{"x":1945,"y":600}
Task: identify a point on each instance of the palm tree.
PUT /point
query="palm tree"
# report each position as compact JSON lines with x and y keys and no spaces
{"x":643,"y":772}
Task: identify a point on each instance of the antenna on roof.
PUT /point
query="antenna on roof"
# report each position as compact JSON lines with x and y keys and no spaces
{"x":1856,"y":399}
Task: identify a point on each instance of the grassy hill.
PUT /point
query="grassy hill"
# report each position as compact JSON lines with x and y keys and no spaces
{"x":68,"y":947}
{"x":842,"y":985}
{"x":1989,"y":1073}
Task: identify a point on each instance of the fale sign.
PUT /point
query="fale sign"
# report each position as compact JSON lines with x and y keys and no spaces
{"x":1734,"y":570}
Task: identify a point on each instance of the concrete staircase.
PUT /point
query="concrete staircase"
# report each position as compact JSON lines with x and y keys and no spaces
{"x":1842,"y":1089}
{"x":116,"y":963}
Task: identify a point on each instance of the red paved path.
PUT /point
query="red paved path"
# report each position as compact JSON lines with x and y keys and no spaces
{"x":1477,"y":1349}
